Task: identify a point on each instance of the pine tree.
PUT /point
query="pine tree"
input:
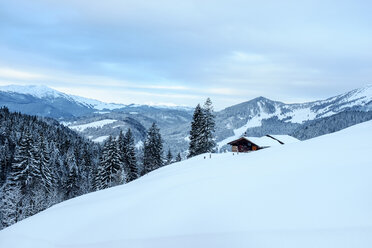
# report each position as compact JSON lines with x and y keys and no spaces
{"x":153,"y":150}
{"x":169,"y":157}
{"x":42,"y":159}
{"x":111,"y":165}
{"x":197,"y":124}
{"x":202,"y":130}
{"x":178,"y":157}
{"x":10,"y":209}
{"x":72,"y":185}
{"x":24,"y":171}
{"x":130,"y":160}
{"x":209,"y":127}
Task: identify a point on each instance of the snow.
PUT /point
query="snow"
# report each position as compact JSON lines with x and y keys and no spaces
{"x":100,"y":139}
{"x":102,"y":112}
{"x":139,"y":144}
{"x":121,"y":125}
{"x":97,"y":104}
{"x":239,"y":132}
{"x":41,"y":91}
{"x":263,"y":141}
{"x":38,"y":91}
{"x":300,"y":115}
{"x":307,"y":194}
{"x":266,"y":141}
{"x":286,"y":139}
{"x":96,"y":124}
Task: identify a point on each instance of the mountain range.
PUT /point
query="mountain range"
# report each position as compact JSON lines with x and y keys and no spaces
{"x":97,"y":120}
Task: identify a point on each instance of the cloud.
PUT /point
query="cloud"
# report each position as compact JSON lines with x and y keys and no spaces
{"x":9,"y":73}
{"x":223,"y":49}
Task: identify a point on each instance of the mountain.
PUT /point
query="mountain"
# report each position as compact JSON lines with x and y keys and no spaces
{"x":256,"y":117}
{"x":47,"y":102}
{"x":307,"y":194}
{"x":261,"y":116}
{"x":97,"y":120}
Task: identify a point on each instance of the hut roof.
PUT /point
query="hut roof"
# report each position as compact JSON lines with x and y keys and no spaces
{"x":268,"y":140}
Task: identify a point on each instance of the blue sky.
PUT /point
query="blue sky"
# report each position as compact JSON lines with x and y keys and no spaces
{"x":180,"y":52}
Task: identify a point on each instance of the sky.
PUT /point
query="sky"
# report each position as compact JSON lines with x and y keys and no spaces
{"x":173,"y":52}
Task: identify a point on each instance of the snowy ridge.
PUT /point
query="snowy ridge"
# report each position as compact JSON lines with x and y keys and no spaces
{"x":283,"y":197}
{"x":259,"y":109}
{"x":96,"y":124}
{"x":40,"y":91}
{"x":95,"y":104}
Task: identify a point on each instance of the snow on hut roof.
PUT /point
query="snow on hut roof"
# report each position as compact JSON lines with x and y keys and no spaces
{"x":286,"y":139}
{"x":268,"y":140}
{"x":272,"y":140}
{"x":264,"y":141}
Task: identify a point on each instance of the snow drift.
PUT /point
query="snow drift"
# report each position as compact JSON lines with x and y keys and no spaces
{"x":315,"y":193}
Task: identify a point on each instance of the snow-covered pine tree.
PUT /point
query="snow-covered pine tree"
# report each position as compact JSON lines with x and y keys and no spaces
{"x":169,"y":157}
{"x":121,"y":144}
{"x":202,"y":130}
{"x":153,"y":150}
{"x":111,"y":165}
{"x":42,"y":159}
{"x":208,"y":129}
{"x":72,"y":184}
{"x":5,"y":158}
{"x":10,"y":208}
{"x":122,"y":149}
{"x":130,"y":160}
{"x":24,"y":171}
{"x":197,"y":125}
{"x":178,"y":157}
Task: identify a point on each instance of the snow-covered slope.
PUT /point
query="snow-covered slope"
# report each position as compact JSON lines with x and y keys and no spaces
{"x":96,"y":124}
{"x":315,"y":193}
{"x":40,"y":91}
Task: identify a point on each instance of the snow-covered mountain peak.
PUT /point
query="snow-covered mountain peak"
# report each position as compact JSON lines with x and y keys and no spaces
{"x":39,"y":91}
{"x":44,"y":92}
{"x":365,"y":92}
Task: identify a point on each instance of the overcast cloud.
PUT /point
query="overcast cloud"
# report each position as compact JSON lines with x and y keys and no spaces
{"x":180,"y":52}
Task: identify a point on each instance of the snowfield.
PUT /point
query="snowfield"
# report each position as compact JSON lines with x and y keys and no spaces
{"x":96,"y":124}
{"x":311,"y":194}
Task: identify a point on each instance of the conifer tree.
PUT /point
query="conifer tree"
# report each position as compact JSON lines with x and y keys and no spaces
{"x":42,"y":160}
{"x":197,"y":124}
{"x":130,"y":160}
{"x":10,"y":208}
{"x":178,"y":157}
{"x":169,"y":157}
{"x":153,"y":150}
{"x":25,"y":172}
{"x":209,"y":127}
{"x":72,"y":183}
{"x":112,"y":166}
{"x":202,"y":130}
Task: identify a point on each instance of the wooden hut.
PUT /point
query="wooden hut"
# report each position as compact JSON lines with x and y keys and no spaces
{"x":248,"y":144}
{"x":243,"y":145}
